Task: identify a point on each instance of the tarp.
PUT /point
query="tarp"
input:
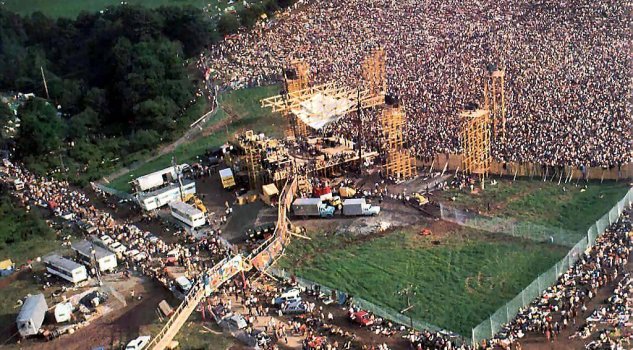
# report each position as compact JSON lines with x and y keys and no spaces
{"x":6,"y":264}
{"x":63,"y":312}
{"x":347,"y":192}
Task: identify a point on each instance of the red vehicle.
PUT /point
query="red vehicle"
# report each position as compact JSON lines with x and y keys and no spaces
{"x":363,"y":318}
{"x":319,"y":191}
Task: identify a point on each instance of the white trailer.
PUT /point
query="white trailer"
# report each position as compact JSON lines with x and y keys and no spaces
{"x":161,"y":197}
{"x":157,"y":178}
{"x":187,"y":213}
{"x":106,"y":260}
{"x":66,"y":269}
{"x":32,"y":315}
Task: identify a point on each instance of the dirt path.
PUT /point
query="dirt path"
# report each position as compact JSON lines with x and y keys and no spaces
{"x":192,"y":134}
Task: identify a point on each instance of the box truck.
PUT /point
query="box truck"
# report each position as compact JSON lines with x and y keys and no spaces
{"x":312,"y":207}
{"x":358,"y":206}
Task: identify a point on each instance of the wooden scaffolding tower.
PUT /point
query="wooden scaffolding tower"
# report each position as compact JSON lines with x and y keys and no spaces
{"x":494,"y":100}
{"x":296,"y":78}
{"x":399,"y":163}
{"x":374,"y":71}
{"x":475,"y":139}
{"x":253,"y":161}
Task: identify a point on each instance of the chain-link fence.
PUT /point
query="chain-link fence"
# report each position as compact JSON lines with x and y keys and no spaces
{"x":111,"y":191}
{"x":491,"y":326}
{"x":510,"y":226}
{"x":380,"y":311}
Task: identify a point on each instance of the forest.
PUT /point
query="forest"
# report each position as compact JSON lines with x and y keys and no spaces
{"x":120,"y":82}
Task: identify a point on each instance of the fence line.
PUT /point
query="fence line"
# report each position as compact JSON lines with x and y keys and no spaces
{"x":101,"y":187}
{"x":505,"y":314}
{"x":360,"y":303}
{"x":511,"y":227}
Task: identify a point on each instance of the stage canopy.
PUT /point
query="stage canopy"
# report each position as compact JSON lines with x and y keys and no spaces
{"x":321,"y":110}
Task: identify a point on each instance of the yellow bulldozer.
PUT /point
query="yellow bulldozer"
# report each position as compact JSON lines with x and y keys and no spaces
{"x":195,"y":201}
{"x":420,"y":198}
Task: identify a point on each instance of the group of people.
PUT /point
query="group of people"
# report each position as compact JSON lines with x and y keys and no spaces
{"x":561,"y":305}
{"x":151,"y":259}
{"x":565,"y":69}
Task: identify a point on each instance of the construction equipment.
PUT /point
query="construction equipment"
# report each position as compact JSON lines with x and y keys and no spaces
{"x":192,"y":199}
{"x":420,"y":198}
{"x":347,"y":192}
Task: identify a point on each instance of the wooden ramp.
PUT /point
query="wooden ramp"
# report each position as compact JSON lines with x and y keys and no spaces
{"x":177,"y":320}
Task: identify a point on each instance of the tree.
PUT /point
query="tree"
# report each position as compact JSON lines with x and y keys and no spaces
{"x":83,"y":124}
{"x":42,"y":130}
{"x":144,"y":139}
{"x":192,"y":27}
{"x":157,"y":114}
{"x":228,"y":24}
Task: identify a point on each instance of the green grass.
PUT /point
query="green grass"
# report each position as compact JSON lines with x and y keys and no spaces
{"x":10,"y":295}
{"x":544,"y":203}
{"x":71,"y":8}
{"x":458,"y":283}
{"x":23,"y":235}
{"x":35,"y":247}
{"x":244,"y":112}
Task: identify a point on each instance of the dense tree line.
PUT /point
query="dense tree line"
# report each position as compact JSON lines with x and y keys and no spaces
{"x":118,"y":81}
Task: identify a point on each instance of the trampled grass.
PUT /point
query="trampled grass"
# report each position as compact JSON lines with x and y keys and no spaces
{"x":458,"y":282}
{"x":243,"y":111}
{"x":71,"y":8}
{"x":571,"y":207}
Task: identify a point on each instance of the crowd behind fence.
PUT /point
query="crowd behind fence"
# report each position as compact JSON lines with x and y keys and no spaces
{"x":491,"y":326}
{"x":381,"y":311}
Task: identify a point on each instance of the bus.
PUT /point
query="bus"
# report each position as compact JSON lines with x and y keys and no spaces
{"x":187,"y":214}
{"x":66,"y":269}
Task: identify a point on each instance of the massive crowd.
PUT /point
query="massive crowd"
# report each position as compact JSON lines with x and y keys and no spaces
{"x":565,"y":62}
{"x":562,"y":304}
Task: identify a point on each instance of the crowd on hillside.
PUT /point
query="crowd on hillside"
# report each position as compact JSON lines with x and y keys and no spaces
{"x":565,"y":64}
{"x":561,"y":305}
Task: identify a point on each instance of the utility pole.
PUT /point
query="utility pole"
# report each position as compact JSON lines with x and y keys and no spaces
{"x":45,"y":85}
{"x":407,"y":292}
{"x":96,"y":263}
{"x":360,"y":132}
{"x":174,"y":164}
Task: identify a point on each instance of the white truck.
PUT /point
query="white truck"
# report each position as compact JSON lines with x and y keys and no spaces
{"x":358,"y":206}
{"x":312,"y":207}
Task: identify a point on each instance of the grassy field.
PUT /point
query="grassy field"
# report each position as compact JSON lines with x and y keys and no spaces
{"x":458,"y":282}
{"x":71,"y":8}
{"x":23,"y":235}
{"x":544,"y":203}
{"x":240,"y":111}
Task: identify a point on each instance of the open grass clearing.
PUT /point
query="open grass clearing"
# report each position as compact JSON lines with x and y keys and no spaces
{"x":459,"y":279}
{"x":571,"y":207}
